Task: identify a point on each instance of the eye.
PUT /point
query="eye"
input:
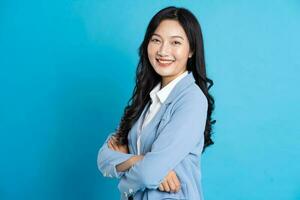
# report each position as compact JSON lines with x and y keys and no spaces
{"x":154,"y":40}
{"x":176,"y":42}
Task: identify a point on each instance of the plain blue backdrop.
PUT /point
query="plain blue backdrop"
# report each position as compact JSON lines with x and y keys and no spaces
{"x":67,"y":71}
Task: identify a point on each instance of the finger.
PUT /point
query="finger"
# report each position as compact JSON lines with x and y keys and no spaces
{"x":114,"y":138}
{"x":116,"y":143}
{"x":175,"y":178}
{"x":110,"y":145}
{"x":176,"y":182}
{"x":166,"y":186}
{"x":161,"y":187}
{"x":114,"y":146}
{"x":171,"y":184}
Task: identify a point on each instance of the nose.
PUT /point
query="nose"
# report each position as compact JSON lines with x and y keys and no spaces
{"x":163,"y":50}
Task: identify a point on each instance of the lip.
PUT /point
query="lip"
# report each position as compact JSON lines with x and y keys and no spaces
{"x":164,"y":59}
{"x":164,"y":64}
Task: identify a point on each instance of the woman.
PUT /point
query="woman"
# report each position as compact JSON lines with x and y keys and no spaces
{"x":156,"y":150}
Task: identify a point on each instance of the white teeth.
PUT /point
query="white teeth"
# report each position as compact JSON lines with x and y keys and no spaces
{"x":165,"y":62}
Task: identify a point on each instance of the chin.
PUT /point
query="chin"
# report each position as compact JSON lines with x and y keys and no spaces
{"x":161,"y":70}
{"x":164,"y":71}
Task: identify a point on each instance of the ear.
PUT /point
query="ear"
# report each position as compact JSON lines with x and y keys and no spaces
{"x":191,"y":54}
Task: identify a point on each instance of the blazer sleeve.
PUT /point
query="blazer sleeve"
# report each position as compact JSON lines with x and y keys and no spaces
{"x":108,"y":159}
{"x":181,"y":134}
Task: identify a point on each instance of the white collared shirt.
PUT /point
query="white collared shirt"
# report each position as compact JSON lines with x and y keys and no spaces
{"x":158,"y":96}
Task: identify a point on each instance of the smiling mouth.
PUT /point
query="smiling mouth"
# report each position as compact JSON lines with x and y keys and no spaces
{"x":164,"y":61}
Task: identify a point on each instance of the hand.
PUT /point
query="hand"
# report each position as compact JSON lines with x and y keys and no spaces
{"x":113,"y":144}
{"x":170,"y":183}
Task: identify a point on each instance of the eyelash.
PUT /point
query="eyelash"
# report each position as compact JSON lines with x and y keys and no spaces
{"x":155,"y":40}
{"x":177,"y":42}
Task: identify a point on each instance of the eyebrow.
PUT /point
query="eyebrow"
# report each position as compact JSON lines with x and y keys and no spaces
{"x":173,"y":36}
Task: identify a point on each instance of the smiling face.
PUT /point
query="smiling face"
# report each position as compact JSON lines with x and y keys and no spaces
{"x":169,"y":50}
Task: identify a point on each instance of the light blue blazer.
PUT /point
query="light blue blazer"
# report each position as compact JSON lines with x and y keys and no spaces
{"x":172,"y":140}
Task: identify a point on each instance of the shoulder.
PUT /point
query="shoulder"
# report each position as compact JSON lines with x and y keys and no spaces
{"x":196,"y":93}
{"x":191,"y":97}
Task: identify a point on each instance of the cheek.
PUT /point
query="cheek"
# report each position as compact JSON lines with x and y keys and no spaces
{"x":181,"y":53}
{"x":151,"y":51}
{"x":151,"y":55}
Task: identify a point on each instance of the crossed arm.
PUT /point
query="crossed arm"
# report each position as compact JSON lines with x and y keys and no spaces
{"x":114,"y":160}
{"x":179,"y":136}
{"x":171,"y":182}
{"x":126,"y":165}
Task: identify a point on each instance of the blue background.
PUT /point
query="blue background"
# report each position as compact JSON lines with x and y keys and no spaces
{"x":67,"y":71}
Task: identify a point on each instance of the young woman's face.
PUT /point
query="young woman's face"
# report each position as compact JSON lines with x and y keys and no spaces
{"x":169,"y":50}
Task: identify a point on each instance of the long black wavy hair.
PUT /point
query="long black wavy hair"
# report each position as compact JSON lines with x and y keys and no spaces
{"x":147,"y":78}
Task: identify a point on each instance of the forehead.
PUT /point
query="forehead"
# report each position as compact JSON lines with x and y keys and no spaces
{"x":168,"y":28}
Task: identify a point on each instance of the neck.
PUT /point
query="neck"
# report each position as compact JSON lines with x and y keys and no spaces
{"x":167,"y":79}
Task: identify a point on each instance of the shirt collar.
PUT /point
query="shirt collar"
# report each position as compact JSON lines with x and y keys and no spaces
{"x":163,"y":93}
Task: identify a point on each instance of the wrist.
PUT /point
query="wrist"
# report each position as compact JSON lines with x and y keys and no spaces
{"x":135,"y":159}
